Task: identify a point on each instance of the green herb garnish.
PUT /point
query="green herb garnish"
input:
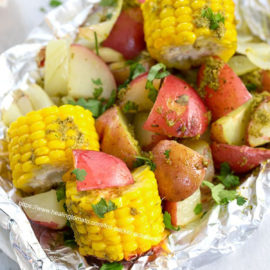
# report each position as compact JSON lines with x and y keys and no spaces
{"x":251,"y":86}
{"x":55,"y":3}
{"x":226,"y":177}
{"x":144,"y":161}
{"x":69,"y":239}
{"x":108,"y":3}
{"x":135,"y":70}
{"x":109,"y":16}
{"x":182,"y":100}
{"x":167,"y":220}
{"x":223,"y":196}
{"x":97,"y":91}
{"x":101,"y":208}
{"x":96,"y":106}
{"x":157,"y":71}
{"x":130,"y":106}
{"x":61,"y":192}
{"x":198,"y":209}
{"x":80,"y":174}
{"x":167,"y":153}
{"x":214,"y":18}
{"x":42,"y":9}
{"x":112,"y":266}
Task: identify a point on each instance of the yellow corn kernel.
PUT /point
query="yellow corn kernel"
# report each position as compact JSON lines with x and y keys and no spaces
{"x":198,"y":4}
{"x":40,"y":125}
{"x":40,"y":134}
{"x":42,"y":160}
{"x":169,"y":21}
{"x":41,"y":151}
{"x":28,"y":166}
{"x":184,"y":27}
{"x":23,"y":130}
{"x":26,"y":156}
{"x":98,"y":246}
{"x":181,"y":3}
{"x":166,"y":12}
{"x":185,"y":37}
{"x":25,"y":148}
{"x":183,"y":11}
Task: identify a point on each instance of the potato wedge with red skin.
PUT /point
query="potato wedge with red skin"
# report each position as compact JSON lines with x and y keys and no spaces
{"x":182,"y":213}
{"x":127,"y":35}
{"x":230,"y":94}
{"x":241,"y":159}
{"x":178,"y":110}
{"x":115,"y":136}
{"x":102,"y":170}
{"x":203,"y":148}
{"x":179,"y":173}
{"x":136,"y":93}
{"x":258,"y":132}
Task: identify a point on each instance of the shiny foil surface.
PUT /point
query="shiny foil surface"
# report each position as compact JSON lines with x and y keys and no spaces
{"x":220,"y":231}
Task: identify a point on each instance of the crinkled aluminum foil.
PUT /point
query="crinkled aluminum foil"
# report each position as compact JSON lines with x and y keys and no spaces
{"x":219,"y":232}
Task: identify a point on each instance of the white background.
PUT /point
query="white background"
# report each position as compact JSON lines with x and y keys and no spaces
{"x":16,"y":21}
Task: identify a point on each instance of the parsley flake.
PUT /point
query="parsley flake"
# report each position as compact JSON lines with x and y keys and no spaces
{"x":167,"y":153}
{"x":167,"y":220}
{"x":69,"y":239}
{"x":198,"y":209}
{"x":55,"y":3}
{"x":108,"y":3}
{"x":101,"y":208}
{"x":130,"y":106}
{"x":80,"y":174}
{"x":251,"y":86}
{"x":112,"y":266}
{"x":97,"y":82}
{"x":135,"y":70}
{"x":144,"y":161}
{"x":157,"y":71}
{"x":214,"y":18}
{"x":61,"y":192}
{"x":226,"y":177}
{"x":223,"y":196}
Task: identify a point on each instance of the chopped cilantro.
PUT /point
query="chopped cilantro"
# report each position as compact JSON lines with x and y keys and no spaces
{"x":130,"y":106}
{"x":101,"y":208}
{"x":69,"y":239}
{"x":167,"y":153}
{"x":198,"y":209}
{"x":157,"y":71}
{"x":96,"y":43}
{"x":55,"y":3}
{"x":226,"y":177}
{"x":223,"y":196}
{"x":109,"y":16}
{"x":111,"y":266}
{"x":167,"y":220}
{"x":241,"y":200}
{"x":80,"y":266}
{"x":80,"y":174}
{"x":97,"y":82}
{"x":135,"y":70}
{"x":214,"y":18}
{"x":97,"y":92}
{"x":107,"y":3}
{"x":96,"y":106}
{"x":61,"y":192}
{"x":144,"y":160}
{"x":251,"y":86}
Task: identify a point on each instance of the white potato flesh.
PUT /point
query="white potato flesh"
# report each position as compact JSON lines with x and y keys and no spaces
{"x":49,"y":207}
{"x":56,"y":67}
{"x":85,"y":67}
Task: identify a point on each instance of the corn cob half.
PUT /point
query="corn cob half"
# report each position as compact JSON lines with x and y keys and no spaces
{"x":41,"y":142}
{"x":132,"y":229}
{"x":180,"y":33}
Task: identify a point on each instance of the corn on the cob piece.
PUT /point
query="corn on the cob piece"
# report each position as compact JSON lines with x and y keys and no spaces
{"x":40,"y":144}
{"x":132,"y":229}
{"x":181,"y":33}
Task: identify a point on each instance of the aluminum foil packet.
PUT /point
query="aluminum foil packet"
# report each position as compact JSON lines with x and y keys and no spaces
{"x":218,"y":232}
